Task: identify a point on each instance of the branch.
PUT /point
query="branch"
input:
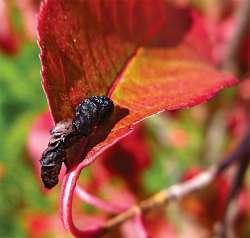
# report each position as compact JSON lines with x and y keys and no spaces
{"x":225,"y":229}
{"x":241,"y":29}
{"x":214,"y":133}
{"x":178,"y":191}
{"x":68,"y":187}
{"x":173,"y":193}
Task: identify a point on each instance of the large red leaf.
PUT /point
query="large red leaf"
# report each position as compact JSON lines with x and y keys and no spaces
{"x":122,"y":49}
{"x":86,"y":45}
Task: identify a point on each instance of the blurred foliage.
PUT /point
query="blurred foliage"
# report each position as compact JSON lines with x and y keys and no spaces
{"x":170,"y":159}
{"x":21,"y":99}
{"x":174,"y":140}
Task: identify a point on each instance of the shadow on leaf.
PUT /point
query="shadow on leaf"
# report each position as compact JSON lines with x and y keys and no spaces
{"x":79,"y":151}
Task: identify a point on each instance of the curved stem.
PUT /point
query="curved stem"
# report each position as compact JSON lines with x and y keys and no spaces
{"x":177,"y":191}
{"x":67,"y":192}
{"x":68,"y":187}
{"x":171,"y":194}
{"x":141,"y":232}
{"x":96,"y":202}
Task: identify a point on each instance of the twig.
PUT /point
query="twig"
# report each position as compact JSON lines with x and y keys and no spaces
{"x":242,"y":26}
{"x":225,"y":229}
{"x":215,"y":130}
{"x":173,"y":193}
{"x":241,"y":151}
{"x":210,"y":149}
{"x":178,"y":191}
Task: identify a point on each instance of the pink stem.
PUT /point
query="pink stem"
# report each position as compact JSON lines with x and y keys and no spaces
{"x":140,"y":229}
{"x":96,"y":202}
{"x":67,"y":192}
{"x":68,"y":187}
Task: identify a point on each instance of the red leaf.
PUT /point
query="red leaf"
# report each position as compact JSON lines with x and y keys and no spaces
{"x":40,"y":225}
{"x":86,"y":44}
{"x":207,"y":205}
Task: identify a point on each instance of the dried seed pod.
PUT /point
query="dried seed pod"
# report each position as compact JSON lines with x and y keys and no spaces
{"x":51,"y":162}
{"x":90,"y":113}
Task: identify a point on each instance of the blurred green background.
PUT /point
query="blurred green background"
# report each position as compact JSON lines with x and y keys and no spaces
{"x":21,"y":99}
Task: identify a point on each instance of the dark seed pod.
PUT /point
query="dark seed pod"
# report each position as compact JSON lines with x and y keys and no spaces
{"x":90,"y":113}
{"x":51,"y":163}
{"x":64,"y":134}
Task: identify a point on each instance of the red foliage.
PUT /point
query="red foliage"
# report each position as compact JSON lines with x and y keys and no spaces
{"x":221,"y":32}
{"x":83,"y":50}
{"x":40,"y":225}
{"x":244,"y":90}
{"x":238,"y":116}
{"x":245,"y":53}
{"x":121,"y":49}
{"x":128,"y":158}
{"x":8,"y":39}
{"x":207,"y":206}
{"x":39,"y":132}
{"x":77,"y":63}
{"x":157,"y":226}
{"x":178,"y":138}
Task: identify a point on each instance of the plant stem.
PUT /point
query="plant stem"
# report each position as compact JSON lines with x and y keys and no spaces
{"x":241,"y":29}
